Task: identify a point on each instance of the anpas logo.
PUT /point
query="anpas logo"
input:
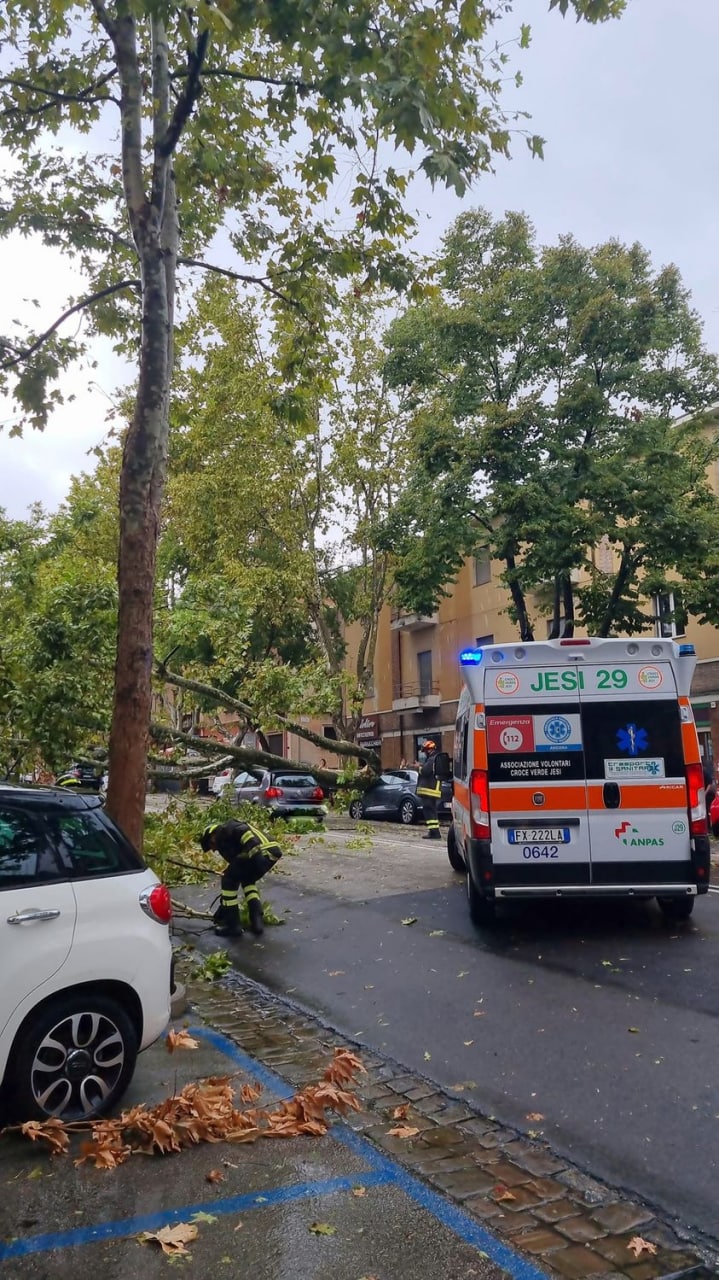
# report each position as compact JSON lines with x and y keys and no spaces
{"x":557,"y":729}
{"x":630,"y":836}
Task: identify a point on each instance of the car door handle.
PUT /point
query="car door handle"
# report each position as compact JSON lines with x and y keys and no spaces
{"x":24,"y":917}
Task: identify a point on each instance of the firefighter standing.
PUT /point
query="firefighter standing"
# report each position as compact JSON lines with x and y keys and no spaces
{"x":429,"y":789}
{"x":249,"y":855}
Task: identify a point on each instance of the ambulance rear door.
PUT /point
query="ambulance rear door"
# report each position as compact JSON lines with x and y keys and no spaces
{"x":636,"y":778}
{"x":537,"y":784}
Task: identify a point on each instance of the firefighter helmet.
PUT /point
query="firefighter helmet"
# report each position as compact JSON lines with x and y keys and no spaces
{"x":206,"y":837}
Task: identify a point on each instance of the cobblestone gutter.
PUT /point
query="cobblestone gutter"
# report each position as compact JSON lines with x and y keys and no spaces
{"x":571,"y":1224}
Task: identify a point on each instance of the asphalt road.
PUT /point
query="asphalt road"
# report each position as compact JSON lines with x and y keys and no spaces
{"x":596,"y":1020}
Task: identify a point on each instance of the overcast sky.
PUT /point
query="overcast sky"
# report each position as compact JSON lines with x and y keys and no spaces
{"x":629,"y":112}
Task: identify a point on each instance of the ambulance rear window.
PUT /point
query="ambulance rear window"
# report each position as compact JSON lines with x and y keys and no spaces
{"x":632,"y":740}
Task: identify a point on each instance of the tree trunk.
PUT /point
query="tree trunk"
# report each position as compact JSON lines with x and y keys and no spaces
{"x":141,"y":485}
{"x":526,"y":631}
{"x":568,"y":603}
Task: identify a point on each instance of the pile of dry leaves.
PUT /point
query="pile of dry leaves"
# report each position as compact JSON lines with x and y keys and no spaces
{"x":204,"y":1111}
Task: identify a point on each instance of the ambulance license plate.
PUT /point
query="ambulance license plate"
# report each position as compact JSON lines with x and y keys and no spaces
{"x":538,"y":835}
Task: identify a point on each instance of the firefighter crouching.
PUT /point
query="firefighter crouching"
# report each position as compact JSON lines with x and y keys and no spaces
{"x":249,"y":855}
{"x":429,"y":789}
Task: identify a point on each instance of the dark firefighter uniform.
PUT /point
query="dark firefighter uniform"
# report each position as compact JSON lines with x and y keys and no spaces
{"x":249,"y":855}
{"x":429,"y":790}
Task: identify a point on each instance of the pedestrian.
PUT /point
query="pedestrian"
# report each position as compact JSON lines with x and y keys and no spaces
{"x":429,"y":789}
{"x":249,"y":855}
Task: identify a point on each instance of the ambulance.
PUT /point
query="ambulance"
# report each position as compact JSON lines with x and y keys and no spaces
{"x":577,"y":774}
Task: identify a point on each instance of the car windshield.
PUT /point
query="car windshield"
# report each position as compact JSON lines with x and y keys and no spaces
{"x":303,"y":780}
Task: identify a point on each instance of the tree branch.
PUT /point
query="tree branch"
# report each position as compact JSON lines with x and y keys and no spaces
{"x":262,"y":281}
{"x":337,"y":747}
{"x":304,"y":86}
{"x":26,"y":352}
{"x":55,"y":96}
{"x":188,"y":97}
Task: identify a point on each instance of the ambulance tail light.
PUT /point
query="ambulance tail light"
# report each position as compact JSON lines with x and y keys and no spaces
{"x":697,"y":800}
{"x":479,"y":804}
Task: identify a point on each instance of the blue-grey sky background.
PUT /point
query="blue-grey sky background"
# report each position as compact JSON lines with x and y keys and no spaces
{"x":629,"y":112}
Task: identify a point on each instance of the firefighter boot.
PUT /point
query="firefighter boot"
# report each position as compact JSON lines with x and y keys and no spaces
{"x":227,"y":920}
{"x":254,"y":911}
{"x":433,"y":834}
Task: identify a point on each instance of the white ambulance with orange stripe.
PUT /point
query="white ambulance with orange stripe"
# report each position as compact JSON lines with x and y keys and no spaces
{"x":577,"y":774}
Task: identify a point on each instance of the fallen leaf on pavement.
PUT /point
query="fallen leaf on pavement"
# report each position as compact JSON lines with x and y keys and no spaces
{"x":467,"y":1043}
{"x":171,"y":1240}
{"x":410,"y":920}
{"x":201,"y":1216}
{"x":639,"y":1245}
{"x":403,"y":1131}
{"x":180,"y":1040}
{"x":336,"y":973}
{"x":322,"y":1229}
{"x":436,"y":933}
{"x":503,"y":1193}
{"x":215,"y":1175}
{"x":534,"y":1115}
{"x":359,"y":1191}
{"x":634,"y":1030}
{"x":427,"y":1056}
{"x":463,"y":973}
{"x":400,"y":1113}
{"x":478,"y":1013}
{"x":50,"y":1131}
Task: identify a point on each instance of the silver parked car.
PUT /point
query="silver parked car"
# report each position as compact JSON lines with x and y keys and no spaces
{"x":286,"y":793}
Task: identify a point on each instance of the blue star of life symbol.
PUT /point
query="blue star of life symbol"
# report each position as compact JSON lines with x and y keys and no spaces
{"x":632,"y":740}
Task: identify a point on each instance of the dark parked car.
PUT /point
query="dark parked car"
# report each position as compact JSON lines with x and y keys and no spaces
{"x":393,"y":795}
{"x":285,"y":793}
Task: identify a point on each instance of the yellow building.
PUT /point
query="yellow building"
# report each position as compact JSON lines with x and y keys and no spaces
{"x":417,"y":676}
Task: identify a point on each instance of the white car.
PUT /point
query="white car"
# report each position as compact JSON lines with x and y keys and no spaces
{"x":221,"y":780}
{"x":86,"y":955}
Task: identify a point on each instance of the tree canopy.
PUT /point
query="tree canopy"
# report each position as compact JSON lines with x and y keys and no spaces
{"x":139,"y":129}
{"x":547,"y":382}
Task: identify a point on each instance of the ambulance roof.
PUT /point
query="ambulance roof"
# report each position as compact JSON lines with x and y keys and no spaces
{"x":576,"y":652}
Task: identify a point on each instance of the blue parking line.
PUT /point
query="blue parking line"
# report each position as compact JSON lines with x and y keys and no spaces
{"x":381,"y":1171}
{"x":468,"y":1230}
{"x":153,"y":1221}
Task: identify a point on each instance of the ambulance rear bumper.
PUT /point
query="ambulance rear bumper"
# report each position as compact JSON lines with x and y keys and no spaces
{"x":663,"y":890}
{"x":495,"y":879}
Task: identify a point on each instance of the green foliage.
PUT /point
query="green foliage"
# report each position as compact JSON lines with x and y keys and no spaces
{"x":58,"y":609}
{"x":546,"y":383}
{"x":211,"y":968}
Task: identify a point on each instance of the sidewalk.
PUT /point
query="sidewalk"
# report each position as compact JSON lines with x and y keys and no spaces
{"x":462,"y":1197}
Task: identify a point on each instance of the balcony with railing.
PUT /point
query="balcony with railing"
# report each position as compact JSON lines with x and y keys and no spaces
{"x":401,"y":621}
{"x":415,"y":696}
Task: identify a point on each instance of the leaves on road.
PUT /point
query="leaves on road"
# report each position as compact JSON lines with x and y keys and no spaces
{"x":172,"y":1240}
{"x":201,"y":1216}
{"x":204,"y":1111}
{"x":639,"y":1245}
{"x":502,"y":1194}
{"x":53,"y":1132}
{"x":410,"y":920}
{"x":322,"y":1229}
{"x":180,"y":1040}
{"x":634,"y":1030}
{"x":359,"y":1191}
{"x":400,"y":1113}
{"x":215,"y":1175}
{"x":427,"y":1056}
{"x":436,"y":933}
{"x":403,"y":1131}
{"x":336,"y":973}
{"x":534,"y":1116}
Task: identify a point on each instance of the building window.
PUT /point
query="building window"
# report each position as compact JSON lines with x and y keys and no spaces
{"x":329,"y":731}
{"x":482,"y":568}
{"x":670,"y":616}
{"x":481,"y":641}
{"x":276,"y":744}
{"x":424,"y":671}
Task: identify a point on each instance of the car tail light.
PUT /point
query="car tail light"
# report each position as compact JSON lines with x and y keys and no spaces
{"x":317,"y":794}
{"x":273,"y":793}
{"x":697,"y":800}
{"x":157,"y":903}
{"x":479,"y":804}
